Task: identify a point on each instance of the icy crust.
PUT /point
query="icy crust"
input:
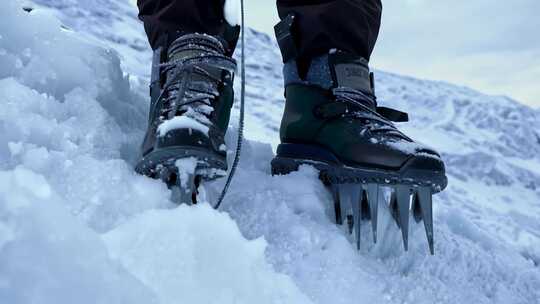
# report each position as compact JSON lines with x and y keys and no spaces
{"x":48,"y":256}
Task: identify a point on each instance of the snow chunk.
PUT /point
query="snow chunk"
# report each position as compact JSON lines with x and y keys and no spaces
{"x":15,"y":148}
{"x":405,"y":146}
{"x":36,"y":158}
{"x":48,"y":256}
{"x":181,"y":122}
{"x":33,"y":183}
{"x":197,"y":255}
{"x":27,"y":181}
{"x":78,"y":133}
{"x":232,"y":11}
{"x":408,"y":147}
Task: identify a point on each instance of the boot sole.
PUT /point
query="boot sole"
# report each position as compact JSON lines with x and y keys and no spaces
{"x":332,"y":171}
{"x":210,"y":165}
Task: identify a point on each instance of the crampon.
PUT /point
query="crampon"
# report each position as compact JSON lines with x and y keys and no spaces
{"x":358,"y":192}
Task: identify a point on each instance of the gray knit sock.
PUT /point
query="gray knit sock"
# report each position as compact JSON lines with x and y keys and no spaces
{"x":318,"y":74}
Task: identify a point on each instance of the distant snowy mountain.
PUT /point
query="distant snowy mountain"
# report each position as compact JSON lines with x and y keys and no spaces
{"x":77,"y":225}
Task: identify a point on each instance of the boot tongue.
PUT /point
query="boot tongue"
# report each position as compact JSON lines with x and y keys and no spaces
{"x":193,"y":46}
{"x":204,"y":51}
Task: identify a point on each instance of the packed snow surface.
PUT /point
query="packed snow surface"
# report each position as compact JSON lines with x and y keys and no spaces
{"x":77,"y":225}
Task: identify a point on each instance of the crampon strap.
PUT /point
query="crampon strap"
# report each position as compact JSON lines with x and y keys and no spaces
{"x":392,"y":114}
{"x":338,"y":109}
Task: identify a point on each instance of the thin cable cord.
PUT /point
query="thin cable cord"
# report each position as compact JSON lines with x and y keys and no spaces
{"x":241,"y":118}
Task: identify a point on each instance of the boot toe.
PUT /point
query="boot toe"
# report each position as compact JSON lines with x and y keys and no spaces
{"x":426,"y":165}
{"x":425,"y":161}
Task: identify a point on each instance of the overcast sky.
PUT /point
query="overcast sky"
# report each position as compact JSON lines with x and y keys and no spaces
{"x":489,"y":45}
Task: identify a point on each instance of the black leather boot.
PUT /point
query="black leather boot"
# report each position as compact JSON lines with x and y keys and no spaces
{"x":332,"y":122}
{"x":192,"y":96}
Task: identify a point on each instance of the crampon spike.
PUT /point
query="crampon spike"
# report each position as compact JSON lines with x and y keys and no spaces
{"x":365,"y":213}
{"x":337,"y":203}
{"x":345,"y":196}
{"x":393,"y":207}
{"x":355,"y":203}
{"x":356,"y":195}
{"x":403,"y":205}
{"x":185,"y":189}
{"x":373,"y":200}
{"x":423,"y":199}
{"x":416,"y":209}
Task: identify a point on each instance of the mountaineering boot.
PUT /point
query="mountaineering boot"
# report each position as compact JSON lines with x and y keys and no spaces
{"x":332,"y":122}
{"x":191,"y":100}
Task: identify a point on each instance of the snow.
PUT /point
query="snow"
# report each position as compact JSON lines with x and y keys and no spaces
{"x":199,"y":263}
{"x":181,"y":122}
{"x":232,"y":11}
{"x":47,"y":256}
{"x":77,"y":225}
{"x":406,"y":146}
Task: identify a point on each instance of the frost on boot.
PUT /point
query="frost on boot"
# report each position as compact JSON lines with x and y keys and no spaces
{"x":332,"y":121}
{"x":192,"y":96}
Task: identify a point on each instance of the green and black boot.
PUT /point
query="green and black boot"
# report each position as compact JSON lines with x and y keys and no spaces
{"x":333,"y":123}
{"x":191,"y":100}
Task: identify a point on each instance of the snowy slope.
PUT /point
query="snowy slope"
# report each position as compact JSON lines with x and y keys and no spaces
{"x":77,"y":225}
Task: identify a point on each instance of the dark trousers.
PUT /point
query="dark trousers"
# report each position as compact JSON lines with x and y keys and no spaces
{"x":347,"y":25}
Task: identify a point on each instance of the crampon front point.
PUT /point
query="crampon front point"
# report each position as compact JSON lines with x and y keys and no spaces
{"x":184,"y":170}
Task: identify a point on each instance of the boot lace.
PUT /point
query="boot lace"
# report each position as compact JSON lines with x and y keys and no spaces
{"x":191,"y":87}
{"x":375,"y":119}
